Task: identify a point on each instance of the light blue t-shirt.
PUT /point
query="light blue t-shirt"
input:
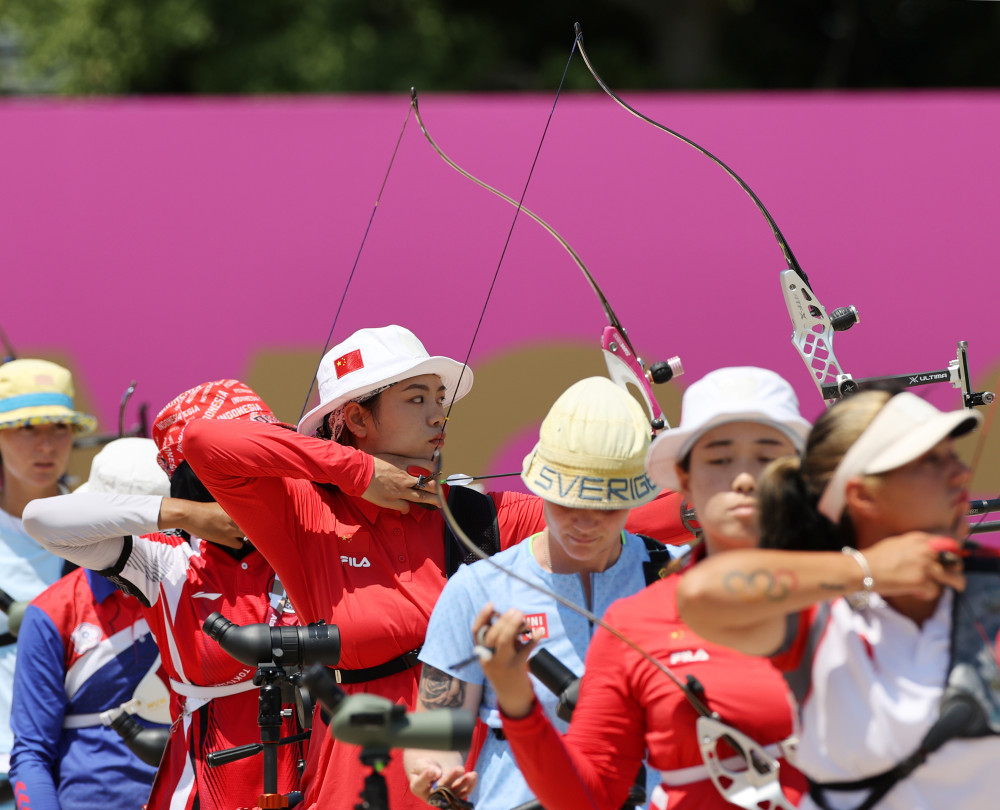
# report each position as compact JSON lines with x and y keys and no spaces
{"x":26,"y":569}
{"x":567,"y":636}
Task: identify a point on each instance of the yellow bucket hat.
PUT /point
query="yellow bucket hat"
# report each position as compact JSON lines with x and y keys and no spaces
{"x":37,"y":392}
{"x":591,"y":451}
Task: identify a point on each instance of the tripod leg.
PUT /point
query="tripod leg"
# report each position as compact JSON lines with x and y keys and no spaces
{"x":375,"y":793}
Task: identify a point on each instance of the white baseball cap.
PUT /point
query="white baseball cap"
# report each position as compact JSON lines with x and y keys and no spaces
{"x":903,"y":430}
{"x":371,"y":359}
{"x":735,"y":394}
{"x":127,"y":466}
{"x":591,"y":450}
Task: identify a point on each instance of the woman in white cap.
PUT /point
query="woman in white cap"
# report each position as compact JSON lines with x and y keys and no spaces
{"x":879,"y":629}
{"x":734,"y":421}
{"x":594,"y":432}
{"x":37,"y":426}
{"x":334,"y":518}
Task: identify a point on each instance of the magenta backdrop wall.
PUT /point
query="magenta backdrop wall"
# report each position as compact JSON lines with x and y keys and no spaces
{"x":172,"y":240}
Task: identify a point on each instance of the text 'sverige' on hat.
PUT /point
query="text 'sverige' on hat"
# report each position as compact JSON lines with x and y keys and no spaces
{"x":37,"y":392}
{"x":127,"y":466}
{"x":219,"y":399}
{"x":723,"y":396}
{"x":374,"y":358}
{"x":591,"y":450}
{"x":903,"y":430}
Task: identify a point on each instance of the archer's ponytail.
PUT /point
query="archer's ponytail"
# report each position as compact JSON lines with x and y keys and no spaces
{"x":789,"y":488}
{"x":787,"y":508}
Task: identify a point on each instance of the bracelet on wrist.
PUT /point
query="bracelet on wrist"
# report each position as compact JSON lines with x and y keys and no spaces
{"x":862,"y":598}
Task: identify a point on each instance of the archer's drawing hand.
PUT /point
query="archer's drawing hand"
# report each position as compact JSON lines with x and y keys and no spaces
{"x":393,"y":487}
{"x":208,"y":521}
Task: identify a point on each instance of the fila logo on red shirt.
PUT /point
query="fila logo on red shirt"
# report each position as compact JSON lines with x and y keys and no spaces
{"x":688,"y":657}
{"x":354,"y":562}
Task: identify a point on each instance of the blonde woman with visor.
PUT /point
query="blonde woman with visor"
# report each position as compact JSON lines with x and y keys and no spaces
{"x":867,"y":614}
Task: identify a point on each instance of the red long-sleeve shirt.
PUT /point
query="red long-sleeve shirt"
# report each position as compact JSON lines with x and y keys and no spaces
{"x":627,"y":706}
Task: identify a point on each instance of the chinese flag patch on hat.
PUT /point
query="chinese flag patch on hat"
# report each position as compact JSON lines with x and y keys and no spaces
{"x":349,"y":362}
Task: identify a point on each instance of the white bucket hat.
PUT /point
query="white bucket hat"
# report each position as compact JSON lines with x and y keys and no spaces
{"x":905,"y":429}
{"x":129,"y":467}
{"x":371,"y":359}
{"x":736,"y":394}
{"x":591,"y":450}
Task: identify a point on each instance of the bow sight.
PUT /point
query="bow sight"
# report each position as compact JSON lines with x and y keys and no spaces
{"x":813,"y":338}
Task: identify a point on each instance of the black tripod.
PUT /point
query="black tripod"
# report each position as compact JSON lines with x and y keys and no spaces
{"x":271,"y":679}
{"x":374,"y":794}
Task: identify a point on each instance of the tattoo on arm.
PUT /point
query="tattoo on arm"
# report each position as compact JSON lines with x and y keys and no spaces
{"x":761,"y":584}
{"x":438,"y":690}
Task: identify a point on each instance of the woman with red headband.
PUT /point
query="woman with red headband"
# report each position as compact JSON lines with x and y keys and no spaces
{"x":180,"y":579}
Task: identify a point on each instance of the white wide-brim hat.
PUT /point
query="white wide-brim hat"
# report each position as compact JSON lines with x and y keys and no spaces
{"x":736,"y":394}
{"x":903,"y":430}
{"x":375,"y":358}
{"x":591,"y":451}
{"x":129,"y":467}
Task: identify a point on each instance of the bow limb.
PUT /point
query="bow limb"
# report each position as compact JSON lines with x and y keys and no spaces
{"x":813,"y":328}
{"x":782,"y":242}
{"x":357,"y":258}
{"x":625,"y":367}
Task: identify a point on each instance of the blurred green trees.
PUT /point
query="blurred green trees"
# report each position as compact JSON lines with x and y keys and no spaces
{"x":323,"y":46}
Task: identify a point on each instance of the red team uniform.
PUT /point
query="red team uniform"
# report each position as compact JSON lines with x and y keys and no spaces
{"x":627,"y":706}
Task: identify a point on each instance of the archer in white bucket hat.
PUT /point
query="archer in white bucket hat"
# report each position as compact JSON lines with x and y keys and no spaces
{"x":371,"y":360}
{"x":723,"y":396}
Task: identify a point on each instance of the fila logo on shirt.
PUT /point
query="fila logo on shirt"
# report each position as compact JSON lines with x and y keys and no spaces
{"x":688,"y":657}
{"x":354,"y":562}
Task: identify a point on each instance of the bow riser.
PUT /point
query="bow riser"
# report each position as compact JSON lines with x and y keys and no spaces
{"x":812,"y":336}
{"x":628,"y":371}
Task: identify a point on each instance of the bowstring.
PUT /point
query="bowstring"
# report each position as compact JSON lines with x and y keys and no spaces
{"x":496,"y":273}
{"x":449,"y":517}
{"x":463,"y":538}
{"x":357,"y":258}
